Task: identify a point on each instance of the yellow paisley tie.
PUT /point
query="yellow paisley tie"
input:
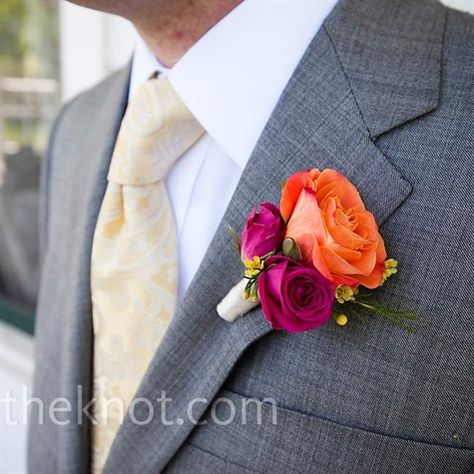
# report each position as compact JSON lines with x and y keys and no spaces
{"x":134,"y":254}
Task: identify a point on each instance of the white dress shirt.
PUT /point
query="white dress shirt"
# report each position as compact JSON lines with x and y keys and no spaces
{"x":231,"y":80}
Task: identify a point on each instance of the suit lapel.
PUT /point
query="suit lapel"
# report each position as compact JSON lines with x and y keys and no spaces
{"x":390,"y":51}
{"x":78,"y":184}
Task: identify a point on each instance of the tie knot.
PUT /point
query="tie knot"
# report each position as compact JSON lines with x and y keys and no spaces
{"x":156,"y":130}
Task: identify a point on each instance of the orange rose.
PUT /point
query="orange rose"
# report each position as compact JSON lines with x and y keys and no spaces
{"x":326,"y":217}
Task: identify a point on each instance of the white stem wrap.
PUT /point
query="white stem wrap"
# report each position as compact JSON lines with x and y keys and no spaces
{"x":234,"y":304}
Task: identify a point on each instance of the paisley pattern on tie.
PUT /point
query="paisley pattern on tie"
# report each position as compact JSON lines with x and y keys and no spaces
{"x":134,"y":256}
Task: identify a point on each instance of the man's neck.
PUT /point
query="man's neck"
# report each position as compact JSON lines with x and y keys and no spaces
{"x":175,"y":26}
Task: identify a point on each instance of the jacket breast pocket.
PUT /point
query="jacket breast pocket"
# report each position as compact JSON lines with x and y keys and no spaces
{"x":259,"y":436}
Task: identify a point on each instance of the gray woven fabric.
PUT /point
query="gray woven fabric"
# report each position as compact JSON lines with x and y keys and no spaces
{"x":385,"y":95}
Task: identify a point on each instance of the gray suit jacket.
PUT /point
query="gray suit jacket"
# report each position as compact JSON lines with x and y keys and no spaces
{"x":385,"y":95}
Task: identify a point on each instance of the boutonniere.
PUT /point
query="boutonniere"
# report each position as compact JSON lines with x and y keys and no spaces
{"x":318,"y":256}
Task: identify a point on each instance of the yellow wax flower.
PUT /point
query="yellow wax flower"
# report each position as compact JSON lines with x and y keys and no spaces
{"x":341,"y":319}
{"x":253,"y":266}
{"x":344,"y":293}
{"x":390,"y":268}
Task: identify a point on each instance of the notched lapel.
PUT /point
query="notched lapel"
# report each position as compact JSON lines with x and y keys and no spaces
{"x":390,"y":51}
{"x":316,"y":124}
{"x":79,"y":166}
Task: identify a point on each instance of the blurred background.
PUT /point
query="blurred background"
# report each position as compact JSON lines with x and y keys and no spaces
{"x":50,"y":51}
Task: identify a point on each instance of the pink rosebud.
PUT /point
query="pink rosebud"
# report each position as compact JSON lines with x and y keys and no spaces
{"x":294,"y":297}
{"x":263,"y":232}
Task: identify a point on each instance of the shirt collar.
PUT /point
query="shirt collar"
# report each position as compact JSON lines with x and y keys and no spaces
{"x":144,"y":65}
{"x":232,"y":78}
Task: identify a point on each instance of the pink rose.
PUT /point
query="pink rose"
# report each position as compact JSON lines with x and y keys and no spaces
{"x":263,"y":232}
{"x":294,"y":296}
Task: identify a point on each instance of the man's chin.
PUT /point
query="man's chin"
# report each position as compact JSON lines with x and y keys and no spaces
{"x":107,"y":6}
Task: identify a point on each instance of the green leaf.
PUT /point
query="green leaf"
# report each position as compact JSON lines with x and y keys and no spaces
{"x":397,"y":318}
{"x":291,"y":250}
{"x":235,"y":237}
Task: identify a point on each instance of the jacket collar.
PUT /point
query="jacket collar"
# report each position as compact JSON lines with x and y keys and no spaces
{"x":390,"y":52}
